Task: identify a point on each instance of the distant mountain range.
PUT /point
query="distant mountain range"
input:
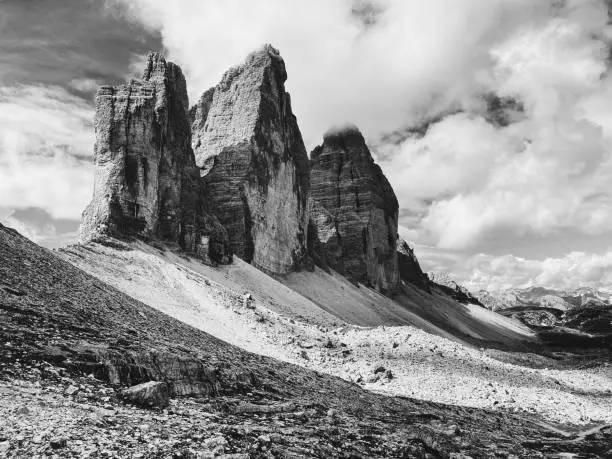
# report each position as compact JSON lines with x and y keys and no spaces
{"x":563,"y":300}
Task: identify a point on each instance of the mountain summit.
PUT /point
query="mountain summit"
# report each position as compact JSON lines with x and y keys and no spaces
{"x":253,"y":162}
{"x":354,"y":210}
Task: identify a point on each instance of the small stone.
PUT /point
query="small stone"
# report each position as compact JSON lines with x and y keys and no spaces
{"x":379,"y":369}
{"x":23,"y":410}
{"x":59,"y":442}
{"x":4,"y":447}
{"x":215,"y":445}
{"x":72,"y":390}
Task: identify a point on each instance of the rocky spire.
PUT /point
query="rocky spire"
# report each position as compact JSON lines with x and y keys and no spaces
{"x":146,"y":180}
{"x":354,"y":210}
{"x":143,"y":159}
{"x":409,"y":267}
{"x":253,"y":162}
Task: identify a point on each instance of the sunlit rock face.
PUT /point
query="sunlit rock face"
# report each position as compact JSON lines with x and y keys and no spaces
{"x":253,"y":162}
{"x":354,"y":210}
{"x":146,"y":180}
{"x":144,"y":166}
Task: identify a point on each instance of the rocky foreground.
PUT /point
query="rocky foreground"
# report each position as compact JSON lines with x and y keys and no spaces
{"x":72,"y":344}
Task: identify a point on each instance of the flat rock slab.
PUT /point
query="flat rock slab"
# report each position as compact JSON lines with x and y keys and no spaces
{"x":152,"y":394}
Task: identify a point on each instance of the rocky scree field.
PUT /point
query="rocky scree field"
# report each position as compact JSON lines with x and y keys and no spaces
{"x":70,"y":343}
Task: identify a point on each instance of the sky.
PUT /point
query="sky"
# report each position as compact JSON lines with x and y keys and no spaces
{"x":492,"y":119}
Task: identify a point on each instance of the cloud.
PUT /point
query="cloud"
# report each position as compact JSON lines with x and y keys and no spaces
{"x":46,"y":146}
{"x":573,"y":269}
{"x":38,"y":226}
{"x":84,"y":85}
{"x":378,"y":64}
{"x":501,"y":272}
{"x":545,"y":173}
{"x":62,"y":41}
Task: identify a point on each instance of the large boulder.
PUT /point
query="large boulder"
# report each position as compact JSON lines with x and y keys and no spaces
{"x":253,"y":163}
{"x":354,"y":211}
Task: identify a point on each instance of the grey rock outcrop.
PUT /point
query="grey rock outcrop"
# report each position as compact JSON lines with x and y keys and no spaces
{"x":146,"y":180}
{"x":354,"y":211}
{"x":409,"y":267}
{"x":253,"y":163}
{"x":444,"y":282}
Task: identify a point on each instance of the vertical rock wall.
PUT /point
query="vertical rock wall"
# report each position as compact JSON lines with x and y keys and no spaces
{"x":253,"y":162}
{"x":146,"y":181}
{"x":144,"y":165}
{"x":354,"y":211}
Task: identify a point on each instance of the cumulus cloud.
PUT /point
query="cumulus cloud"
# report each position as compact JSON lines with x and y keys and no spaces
{"x":548,"y":172}
{"x":574,"y":269}
{"x":501,"y":272}
{"x":39,"y":226}
{"x":46,"y":146}
{"x":378,"y":63}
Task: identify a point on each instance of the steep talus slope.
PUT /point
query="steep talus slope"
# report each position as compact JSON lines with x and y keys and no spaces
{"x":253,"y":162}
{"x":354,"y":211}
{"x":434,"y":311}
{"x":54,"y":312}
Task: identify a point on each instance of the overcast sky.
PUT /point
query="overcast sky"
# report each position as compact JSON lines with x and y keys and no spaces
{"x":491,"y":118}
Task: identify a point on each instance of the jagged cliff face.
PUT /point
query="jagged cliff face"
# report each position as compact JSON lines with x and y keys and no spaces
{"x":146,"y":180}
{"x":354,"y":211}
{"x":144,"y":164}
{"x":409,"y":267}
{"x":253,"y":162}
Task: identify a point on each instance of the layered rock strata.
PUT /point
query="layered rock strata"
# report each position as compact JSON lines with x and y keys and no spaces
{"x":354,"y":210}
{"x":146,"y":180}
{"x":253,"y":162}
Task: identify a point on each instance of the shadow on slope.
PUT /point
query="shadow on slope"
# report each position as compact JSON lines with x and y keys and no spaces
{"x":434,"y":312}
